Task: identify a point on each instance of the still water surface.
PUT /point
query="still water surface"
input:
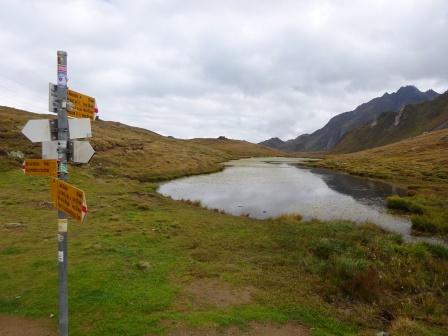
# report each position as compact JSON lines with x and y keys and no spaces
{"x":269,"y":187}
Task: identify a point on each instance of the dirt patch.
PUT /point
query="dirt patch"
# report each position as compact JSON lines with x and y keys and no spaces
{"x":19,"y":326}
{"x":254,"y":329}
{"x":214,"y":292}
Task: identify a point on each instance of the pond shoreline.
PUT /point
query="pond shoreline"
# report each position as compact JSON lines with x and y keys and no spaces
{"x":283,"y":187}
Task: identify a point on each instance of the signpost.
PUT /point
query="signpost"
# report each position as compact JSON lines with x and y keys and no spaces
{"x":81,"y":151}
{"x":46,"y":130}
{"x":37,"y":130}
{"x":59,"y":148}
{"x":82,"y":106}
{"x":50,"y":150}
{"x":69,"y":199}
{"x":38,"y":167}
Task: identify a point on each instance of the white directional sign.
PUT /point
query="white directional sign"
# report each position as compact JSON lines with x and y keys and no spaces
{"x":37,"y":130}
{"x":40,"y":130}
{"x":82,"y":151}
{"x":79,"y":128}
{"x":50,"y":150}
{"x":52,"y":104}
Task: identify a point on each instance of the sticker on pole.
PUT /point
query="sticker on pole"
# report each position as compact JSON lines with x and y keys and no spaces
{"x":52,"y":98}
{"x":38,"y":167}
{"x":69,"y":199}
{"x":82,"y":106}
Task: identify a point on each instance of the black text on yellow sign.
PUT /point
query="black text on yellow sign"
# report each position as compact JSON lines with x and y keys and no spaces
{"x":69,"y":199}
{"x":83,"y":106}
{"x":40,"y":167}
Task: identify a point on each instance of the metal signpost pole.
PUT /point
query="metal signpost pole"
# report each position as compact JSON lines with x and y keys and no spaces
{"x":56,"y":135}
{"x":63,"y":137}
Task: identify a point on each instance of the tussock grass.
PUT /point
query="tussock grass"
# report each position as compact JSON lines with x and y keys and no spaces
{"x":289,"y":218}
{"x":437,"y":250}
{"x":406,"y":327}
{"x":429,"y":223}
{"x":404,"y":204}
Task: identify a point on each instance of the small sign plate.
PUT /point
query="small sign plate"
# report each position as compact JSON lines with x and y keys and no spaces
{"x":38,"y":167}
{"x":69,"y":199}
{"x":82,"y":106}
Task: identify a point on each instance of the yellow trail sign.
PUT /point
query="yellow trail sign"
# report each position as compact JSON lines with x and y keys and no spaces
{"x":69,"y":199}
{"x":39,"y":167}
{"x":83,"y":106}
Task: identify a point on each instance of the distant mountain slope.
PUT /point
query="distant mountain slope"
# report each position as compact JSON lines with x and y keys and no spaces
{"x":275,"y":143}
{"x":391,"y":127}
{"x":122,"y":150}
{"x":327,"y":137}
{"x":419,"y":160}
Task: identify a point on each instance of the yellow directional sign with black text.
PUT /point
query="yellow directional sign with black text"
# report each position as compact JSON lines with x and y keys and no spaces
{"x":39,"y":167}
{"x":69,"y":199}
{"x":82,"y":106}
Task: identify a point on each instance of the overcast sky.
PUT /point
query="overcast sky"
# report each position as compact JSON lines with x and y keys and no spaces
{"x":249,"y":69}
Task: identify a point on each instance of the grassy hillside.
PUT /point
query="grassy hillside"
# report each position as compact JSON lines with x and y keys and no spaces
{"x":419,"y":163}
{"x":143,"y":264}
{"x":122,"y":150}
{"x":392,"y":127}
{"x":236,"y":147}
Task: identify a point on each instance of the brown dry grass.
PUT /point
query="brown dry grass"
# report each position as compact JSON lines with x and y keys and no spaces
{"x":421,"y":161}
{"x":133,"y":152}
{"x":217,"y":293}
{"x":18,"y":326}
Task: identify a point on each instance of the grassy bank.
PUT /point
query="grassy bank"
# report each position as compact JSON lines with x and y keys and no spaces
{"x":143,"y":264}
{"x":419,"y":164}
{"x":124,"y":151}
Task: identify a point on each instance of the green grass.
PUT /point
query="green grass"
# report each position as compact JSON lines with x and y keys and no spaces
{"x":333,"y":277}
{"x":404,"y":204}
{"x":429,"y":223}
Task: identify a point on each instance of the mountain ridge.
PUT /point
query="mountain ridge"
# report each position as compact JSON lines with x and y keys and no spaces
{"x":392,"y":127}
{"x":325,"y":138}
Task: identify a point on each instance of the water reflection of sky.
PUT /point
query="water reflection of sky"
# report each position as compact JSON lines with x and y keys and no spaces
{"x":262,"y":190}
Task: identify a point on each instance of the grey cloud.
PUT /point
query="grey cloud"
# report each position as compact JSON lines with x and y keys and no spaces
{"x":244,"y":69}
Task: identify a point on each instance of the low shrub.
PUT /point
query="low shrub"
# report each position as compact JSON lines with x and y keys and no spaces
{"x":404,"y":204}
{"x":289,"y":217}
{"x":356,"y":277}
{"x":404,"y":326}
{"x":438,"y":250}
{"x":324,"y":248}
{"x":425,"y":223}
